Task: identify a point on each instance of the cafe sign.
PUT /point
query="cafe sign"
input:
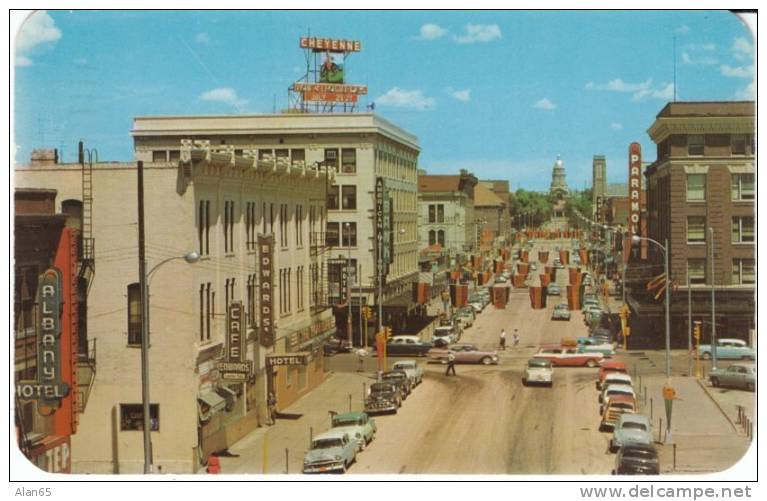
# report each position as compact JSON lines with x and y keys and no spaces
{"x":49,"y":388}
{"x":234,"y":367}
{"x":266,"y":289}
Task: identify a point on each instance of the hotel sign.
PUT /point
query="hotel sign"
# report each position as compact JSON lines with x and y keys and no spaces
{"x":282,"y":360}
{"x":635,"y":187}
{"x":266,"y":289}
{"x":49,"y":388}
{"x":329,"y":44}
{"x":234,"y":366}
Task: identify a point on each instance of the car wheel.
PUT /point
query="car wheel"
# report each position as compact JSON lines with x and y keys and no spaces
{"x":363,"y":444}
{"x":706,"y":356}
{"x":750,"y":386}
{"x":344,"y":467}
{"x":524,"y":382}
{"x":612,"y":447}
{"x":591,"y":363}
{"x":486,"y":361}
{"x":715,"y":382}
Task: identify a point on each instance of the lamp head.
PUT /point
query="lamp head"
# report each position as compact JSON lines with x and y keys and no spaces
{"x":192,"y":257}
{"x":635,"y":239}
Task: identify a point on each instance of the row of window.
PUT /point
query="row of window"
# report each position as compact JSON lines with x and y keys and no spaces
{"x":741,"y":187}
{"x":696,"y":144}
{"x":436,"y":213}
{"x":204,"y":224}
{"x":742,"y":229}
{"x":743,"y":271}
{"x":437,"y":237}
{"x":334,"y":237}
{"x":348,"y":197}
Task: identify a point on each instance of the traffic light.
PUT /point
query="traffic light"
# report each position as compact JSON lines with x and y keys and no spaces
{"x":696,"y":331}
{"x":387,"y":333}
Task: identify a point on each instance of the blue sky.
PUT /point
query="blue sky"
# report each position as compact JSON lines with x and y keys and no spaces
{"x":498,"y":93}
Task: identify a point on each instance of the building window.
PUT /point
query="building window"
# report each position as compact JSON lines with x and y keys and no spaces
{"x":288,"y":293}
{"x":265,"y":155}
{"x":134,"y":314}
{"x":441,"y":237}
{"x":297,"y":156}
{"x":432,"y":213}
{"x":440,"y":213}
{"x":696,"y":187}
{"x":159,"y":156}
{"x":743,"y":230}
{"x":696,"y":271}
{"x":432,"y":237}
{"x":132,"y":417}
{"x":695,"y":144}
{"x":228,"y":227}
{"x":174,"y":155}
{"x":251,"y":290}
{"x":742,"y":186}
{"x":349,"y":236}
{"x":738,"y":144}
{"x":203,"y":227}
{"x":228,"y":293}
{"x":333,"y":197}
{"x":331,"y":159}
{"x":210,"y":297}
{"x":348,"y":160}
{"x":299,"y":225}
{"x":743,"y":272}
{"x":348,"y":197}
{"x":202,"y":312}
{"x":283,"y":225}
{"x":332,"y":237}
{"x":282,"y":155}
{"x":271,"y":218}
{"x":696,"y":229}
{"x":300,"y":288}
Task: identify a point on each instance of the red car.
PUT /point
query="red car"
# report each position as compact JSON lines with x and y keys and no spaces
{"x":610,"y":366}
{"x":568,"y":356}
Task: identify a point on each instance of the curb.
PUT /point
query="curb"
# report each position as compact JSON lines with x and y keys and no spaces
{"x":726,"y":416}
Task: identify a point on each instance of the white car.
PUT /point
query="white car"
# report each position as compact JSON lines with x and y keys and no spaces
{"x":611,"y":390}
{"x":410,"y":367}
{"x":445,"y":334}
{"x":538,"y":371}
{"x":616,"y":378}
{"x":478,"y":307}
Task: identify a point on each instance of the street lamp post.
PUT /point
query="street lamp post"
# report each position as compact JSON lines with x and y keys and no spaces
{"x":664,"y":248}
{"x":348,"y":282}
{"x":713,"y":304}
{"x":191,"y":257}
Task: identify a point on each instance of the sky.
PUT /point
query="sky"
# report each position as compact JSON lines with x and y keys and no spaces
{"x":498,"y":93}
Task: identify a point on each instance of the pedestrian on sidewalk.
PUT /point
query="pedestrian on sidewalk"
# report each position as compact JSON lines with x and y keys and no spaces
{"x":515,"y":338}
{"x":450,"y":363}
{"x":503,"y":339}
{"x":361,"y":354}
{"x":271,"y":403}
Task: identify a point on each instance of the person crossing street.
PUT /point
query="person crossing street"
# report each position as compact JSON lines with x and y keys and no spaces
{"x":515,"y":338}
{"x":450,"y":363}
{"x":503,"y":339}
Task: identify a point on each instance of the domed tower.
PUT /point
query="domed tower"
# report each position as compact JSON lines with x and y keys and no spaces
{"x":558,"y":184}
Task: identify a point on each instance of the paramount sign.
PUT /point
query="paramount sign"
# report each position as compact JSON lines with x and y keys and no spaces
{"x":635,"y":187}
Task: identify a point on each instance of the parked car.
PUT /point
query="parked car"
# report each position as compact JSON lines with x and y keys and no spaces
{"x":465,"y":353}
{"x":477,"y":305}
{"x":611,"y":390}
{"x":553,"y":290}
{"x":383,"y":397}
{"x":330,"y":451}
{"x":335,"y":345}
{"x":407,"y":345}
{"x":410,"y":367}
{"x":618,"y":404}
{"x":560,"y":312}
{"x":728,"y":349}
{"x":538,"y":371}
{"x":631,"y":429}
{"x":592,"y":345}
{"x":400,"y":379}
{"x":466,"y":316}
{"x":533,"y":267}
{"x":358,"y":425}
{"x":735,"y":376}
{"x":593,"y":316}
{"x":557,"y":264}
{"x":587,"y":280}
{"x":610,"y":367}
{"x":636,"y":459}
{"x":569,"y":356}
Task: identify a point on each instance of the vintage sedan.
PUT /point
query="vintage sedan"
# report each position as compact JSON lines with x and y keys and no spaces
{"x":610,"y":367}
{"x":728,"y":349}
{"x":560,"y":312}
{"x":407,"y":345}
{"x":332,"y":451}
{"x":631,"y":429}
{"x":618,"y":404}
{"x":446,"y":333}
{"x":538,"y":371}
{"x":466,"y":316}
{"x":592,"y":345}
{"x":358,"y":425}
{"x":553,"y":290}
{"x":636,"y":459}
{"x":410,"y":367}
{"x":735,"y":376}
{"x":465,"y":353}
{"x":383,"y":397}
{"x":564,"y":356}
{"x":400,"y":379}
{"x":613,"y":390}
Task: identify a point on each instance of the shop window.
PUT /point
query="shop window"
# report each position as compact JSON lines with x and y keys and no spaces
{"x":332,"y":236}
{"x":696,"y":270}
{"x":132,"y":417}
{"x":348,"y":160}
{"x":348,"y":197}
{"x":742,"y":230}
{"x":696,"y":229}
{"x":695,"y":144}
{"x":134,"y":314}
{"x":696,"y":187}
{"x":742,"y":187}
{"x":333,"y":197}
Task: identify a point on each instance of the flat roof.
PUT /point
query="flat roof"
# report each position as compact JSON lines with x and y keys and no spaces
{"x":708,"y":109}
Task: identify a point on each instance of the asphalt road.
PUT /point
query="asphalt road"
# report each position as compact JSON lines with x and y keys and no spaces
{"x":484,"y":421}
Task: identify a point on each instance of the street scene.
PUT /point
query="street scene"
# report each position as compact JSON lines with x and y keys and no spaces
{"x":328,"y":262}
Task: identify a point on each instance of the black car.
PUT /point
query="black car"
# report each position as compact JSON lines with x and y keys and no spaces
{"x":636,"y":459}
{"x":398,"y":378}
{"x":335,"y":345}
{"x":383,"y":397}
{"x":407,"y":345}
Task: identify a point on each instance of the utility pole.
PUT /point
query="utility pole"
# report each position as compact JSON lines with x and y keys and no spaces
{"x":713,"y":303}
{"x":689,"y":326}
{"x":144,"y":320}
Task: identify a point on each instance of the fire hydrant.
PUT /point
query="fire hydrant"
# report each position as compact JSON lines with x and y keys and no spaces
{"x":214,"y":464}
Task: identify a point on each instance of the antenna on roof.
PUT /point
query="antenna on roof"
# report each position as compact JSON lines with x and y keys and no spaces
{"x":674,"y":69}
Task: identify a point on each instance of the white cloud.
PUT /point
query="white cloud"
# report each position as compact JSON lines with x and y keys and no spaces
{"x":682,"y":30}
{"x":545,"y":104}
{"x":225,"y":95}
{"x":616,"y":126}
{"x":401,"y":98}
{"x":737,"y":71}
{"x":431,"y":31}
{"x":700,"y":46}
{"x":707,"y":60}
{"x":461,"y":95}
{"x":38,"y":29}
{"x":202,"y":38}
{"x":80,"y":61}
{"x":479,"y":33}
{"x":639,"y":90}
{"x":742,"y":48}
{"x":746,"y":94}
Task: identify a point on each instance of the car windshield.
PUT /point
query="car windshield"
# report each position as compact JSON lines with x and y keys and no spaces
{"x":639,"y":453}
{"x":621,"y":405}
{"x":393,"y":376}
{"x":404,"y":365}
{"x":634,"y":426}
{"x":539,"y":363}
{"x":381,"y":388}
{"x":327,"y":443}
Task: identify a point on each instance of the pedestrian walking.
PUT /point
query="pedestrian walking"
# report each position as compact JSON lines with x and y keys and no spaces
{"x":515,"y":338}
{"x":503,"y":339}
{"x":450,"y":363}
{"x":361,"y":354}
{"x":271,"y":403}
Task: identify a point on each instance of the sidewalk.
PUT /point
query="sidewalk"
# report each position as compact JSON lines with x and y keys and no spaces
{"x":293,"y":435}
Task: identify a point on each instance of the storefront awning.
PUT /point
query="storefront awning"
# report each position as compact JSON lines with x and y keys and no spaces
{"x":212,"y":400}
